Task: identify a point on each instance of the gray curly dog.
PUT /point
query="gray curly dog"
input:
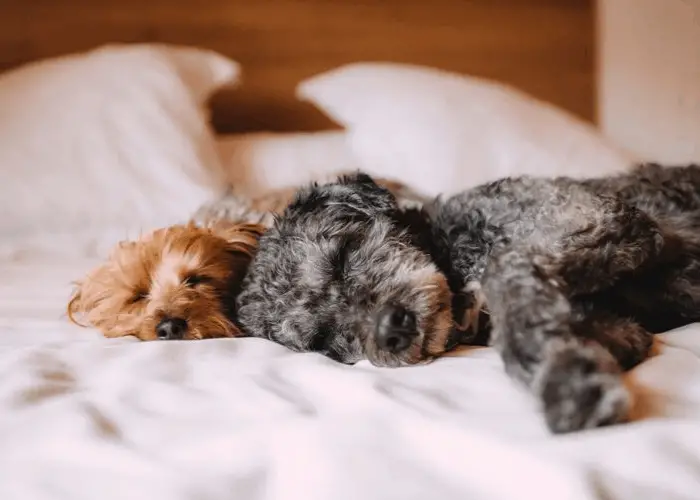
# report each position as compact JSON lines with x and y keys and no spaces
{"x":573,"y":276}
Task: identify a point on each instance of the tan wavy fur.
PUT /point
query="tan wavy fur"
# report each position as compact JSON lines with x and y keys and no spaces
{"x":187,"y":271}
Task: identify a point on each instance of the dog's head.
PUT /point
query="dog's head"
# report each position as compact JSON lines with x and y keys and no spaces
{"x":178,"y":282}
{"x":346,"y":273}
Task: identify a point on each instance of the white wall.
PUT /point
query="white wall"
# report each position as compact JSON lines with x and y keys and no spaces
{"x":649,"y":78}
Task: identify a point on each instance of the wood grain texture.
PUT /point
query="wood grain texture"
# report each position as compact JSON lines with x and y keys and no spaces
{"x":545,"y":47}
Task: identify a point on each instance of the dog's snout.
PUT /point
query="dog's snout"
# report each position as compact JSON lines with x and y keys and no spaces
{"x":395,"y":329}
{"x":171,"y":329}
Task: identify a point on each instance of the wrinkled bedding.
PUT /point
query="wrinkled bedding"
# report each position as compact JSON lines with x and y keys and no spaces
{"x":83,"y":417}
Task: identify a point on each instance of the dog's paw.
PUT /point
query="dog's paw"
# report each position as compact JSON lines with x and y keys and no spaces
{"x":583,"y":389}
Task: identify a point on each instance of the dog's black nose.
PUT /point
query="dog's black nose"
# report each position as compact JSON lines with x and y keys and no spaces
{"x":171,"y":329}
{"x":396,"y":329}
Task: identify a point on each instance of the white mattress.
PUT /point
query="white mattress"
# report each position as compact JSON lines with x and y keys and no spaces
{"x":82,"y":417}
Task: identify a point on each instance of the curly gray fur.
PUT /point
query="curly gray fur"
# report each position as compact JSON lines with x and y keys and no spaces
{"x":321,"y":271}
{"x":576,"y":275}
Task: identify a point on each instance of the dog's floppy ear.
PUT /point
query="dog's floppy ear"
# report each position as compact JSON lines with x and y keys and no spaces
{"x":89,"y":292}
{"x":242,"y":239}
{"x":86,"y":297}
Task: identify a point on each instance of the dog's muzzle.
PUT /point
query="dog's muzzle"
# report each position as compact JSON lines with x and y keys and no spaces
{"x":395,"y":329}
{"x":171,"y":329}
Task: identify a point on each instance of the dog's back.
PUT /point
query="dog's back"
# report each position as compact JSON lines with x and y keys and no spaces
{"x":664,"y":295}
{"x":666,"y":193}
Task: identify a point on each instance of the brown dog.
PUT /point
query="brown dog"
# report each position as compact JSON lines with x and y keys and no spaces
{"x":178,"y":282}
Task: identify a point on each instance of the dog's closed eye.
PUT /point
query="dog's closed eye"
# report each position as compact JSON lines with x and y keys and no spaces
{"x":339,"y":259}
{"x":196,"y":279}
{"x":321,"y":338}
{"x":138,"y":297}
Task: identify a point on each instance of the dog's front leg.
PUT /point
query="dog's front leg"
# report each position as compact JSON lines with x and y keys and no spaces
{"x":577,"y":380}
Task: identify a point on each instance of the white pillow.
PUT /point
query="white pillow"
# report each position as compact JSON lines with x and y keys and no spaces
{"x":258,"y":162}
{"x":112,"y":140}
{"x":442,"y":132}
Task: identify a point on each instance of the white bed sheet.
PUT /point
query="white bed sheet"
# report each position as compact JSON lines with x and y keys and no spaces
{"x":82,"y":417}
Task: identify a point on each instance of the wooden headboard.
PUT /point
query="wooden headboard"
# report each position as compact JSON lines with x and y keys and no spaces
{"x":545,"y":47}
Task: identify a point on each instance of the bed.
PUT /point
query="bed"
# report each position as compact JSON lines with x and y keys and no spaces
{"x":97,"y":146}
